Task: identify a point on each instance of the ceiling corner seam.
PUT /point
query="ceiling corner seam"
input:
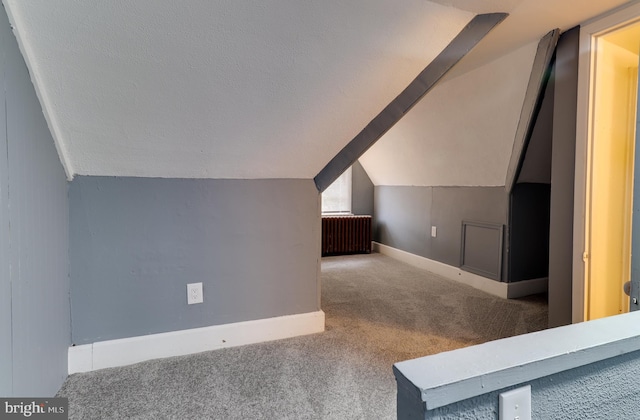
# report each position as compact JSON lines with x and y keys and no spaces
{"x":45,"y":104}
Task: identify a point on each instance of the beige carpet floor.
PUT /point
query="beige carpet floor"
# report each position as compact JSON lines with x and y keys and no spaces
{"x":402,"y":312}
{"x":378,"y":311}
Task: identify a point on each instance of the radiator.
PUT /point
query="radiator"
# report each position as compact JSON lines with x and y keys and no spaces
{"x":346,"y":235}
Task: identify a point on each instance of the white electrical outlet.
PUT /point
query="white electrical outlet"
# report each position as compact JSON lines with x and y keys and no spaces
{"x":194,"y":293}
{"x":516,"y":404}
{"x":434,"y":231}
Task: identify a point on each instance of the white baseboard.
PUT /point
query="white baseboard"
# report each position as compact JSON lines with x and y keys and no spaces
{"x":126,"y":351}
{"x":493,"y":287}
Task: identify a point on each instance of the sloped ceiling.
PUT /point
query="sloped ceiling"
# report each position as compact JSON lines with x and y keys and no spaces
{"x":234,"y":89}
{"x":462,"y":132}
{"x":221,"y":89}
{"x":529,"y":20}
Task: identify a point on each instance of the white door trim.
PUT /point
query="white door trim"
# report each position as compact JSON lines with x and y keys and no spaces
{"x":600,"y":25}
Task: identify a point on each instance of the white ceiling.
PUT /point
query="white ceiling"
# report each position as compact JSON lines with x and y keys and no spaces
{"x":222,"y":89}
{"x":234,"y":89}
{"x":530,"y":20}
{"x":461,"y":133}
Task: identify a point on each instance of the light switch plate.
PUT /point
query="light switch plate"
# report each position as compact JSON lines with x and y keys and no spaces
{"x":516,"y":404}
{"x":194,"y":293}
{"x":434,"y":231}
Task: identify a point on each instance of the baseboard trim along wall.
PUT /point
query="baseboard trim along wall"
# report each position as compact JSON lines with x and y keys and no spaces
{"x":493,"y":287}
{"x":126,"y":351}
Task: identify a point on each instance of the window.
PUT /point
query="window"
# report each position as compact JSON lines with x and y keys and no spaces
{"x":337,"y":198}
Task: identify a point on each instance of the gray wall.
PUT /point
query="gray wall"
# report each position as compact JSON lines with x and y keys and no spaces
{"x":136,"y":242}
{"x":6,"y":344}
{"x":404,"y":215}
{"x":587,"y":370}
{"x":361,"y":191}
{"x":34,"y":276}
{"x":402,"y":218}
{"x":536,"y":165}
{"x":562,"y":179}
{"x":603,"y":390}
{"x":529,"y":201}
{"x":529,"y":232}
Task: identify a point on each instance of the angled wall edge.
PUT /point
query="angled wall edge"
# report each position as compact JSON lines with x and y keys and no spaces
{"x":45,"y":102}
{"x":468,"y":38}
{"x":532,"y":102}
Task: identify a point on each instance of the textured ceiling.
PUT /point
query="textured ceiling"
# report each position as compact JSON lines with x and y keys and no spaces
{"x":221,"y":89}
{"x":234,"y":89}
{"x":461,"y":133}
{"x":529,"y":20}
{"x":483,"y":6}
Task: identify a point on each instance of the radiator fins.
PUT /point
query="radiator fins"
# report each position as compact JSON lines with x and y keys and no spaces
{"x":343,"y":235}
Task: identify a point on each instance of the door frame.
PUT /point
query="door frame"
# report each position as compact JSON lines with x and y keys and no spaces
{"x":589,"y":31}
